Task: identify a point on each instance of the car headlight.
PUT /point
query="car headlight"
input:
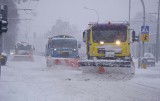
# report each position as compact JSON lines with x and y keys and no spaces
{"x":118,"y":42}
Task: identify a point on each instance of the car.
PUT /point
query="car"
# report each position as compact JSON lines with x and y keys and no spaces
{"x":148,"y":59}
{"x":3,"y":58}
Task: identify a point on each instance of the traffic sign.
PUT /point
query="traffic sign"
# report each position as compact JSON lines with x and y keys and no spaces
{"x":145,"y":37}
{"x":145,"y":29}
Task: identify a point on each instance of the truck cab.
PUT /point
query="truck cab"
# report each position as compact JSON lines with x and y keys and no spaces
{"x":62,"y":46}
{"x":107,"y":41}
{"x":62,"y":50}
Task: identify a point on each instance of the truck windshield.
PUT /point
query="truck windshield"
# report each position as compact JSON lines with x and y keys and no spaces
{"x":64,"y":43}
{"x":24,"y":47}
{"x":109,"y":35}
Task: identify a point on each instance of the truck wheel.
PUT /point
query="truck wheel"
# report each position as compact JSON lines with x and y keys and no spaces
{"x":154,"y":65}
{"x":3,"y":61}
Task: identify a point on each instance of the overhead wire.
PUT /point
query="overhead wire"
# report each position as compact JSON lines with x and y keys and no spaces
{"x":30,"y":8}
{"x":36,"y":4}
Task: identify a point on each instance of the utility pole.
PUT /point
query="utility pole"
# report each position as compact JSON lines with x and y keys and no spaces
{"x":143,"y":24}
{"x":3,"y":27}
{"x":139,"y":50}
{"x":157,"y":35}
{"x":129,"y":13}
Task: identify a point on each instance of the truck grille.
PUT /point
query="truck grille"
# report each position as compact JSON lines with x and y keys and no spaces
{"x":101,"y":50}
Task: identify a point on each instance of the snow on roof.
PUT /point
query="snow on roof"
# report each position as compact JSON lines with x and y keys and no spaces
{"x":63,"y":37}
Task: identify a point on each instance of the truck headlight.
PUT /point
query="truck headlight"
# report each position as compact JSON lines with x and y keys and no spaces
{"x":118,"y":42}
{"x":101,"y":42}
{"x":54,"y":49}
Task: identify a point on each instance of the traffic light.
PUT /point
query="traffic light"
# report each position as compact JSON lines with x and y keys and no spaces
{"x":4,"y":11}
{"x":3,"y":18}
{"x":3,"y":26}
{"x":134,"y":37}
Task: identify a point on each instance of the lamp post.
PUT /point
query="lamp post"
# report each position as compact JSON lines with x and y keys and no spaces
{"x":157,"y":35}
{"x":94,"y":11}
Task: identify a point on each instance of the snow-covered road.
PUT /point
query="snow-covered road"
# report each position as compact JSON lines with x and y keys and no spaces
{"x":33,"y":81}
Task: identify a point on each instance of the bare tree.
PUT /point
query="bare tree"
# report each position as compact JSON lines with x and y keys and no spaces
{"x":11,"y":35}
{"x":62,"y":28}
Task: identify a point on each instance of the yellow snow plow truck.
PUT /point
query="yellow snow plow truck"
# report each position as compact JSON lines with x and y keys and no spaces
{"x":108,"y":45}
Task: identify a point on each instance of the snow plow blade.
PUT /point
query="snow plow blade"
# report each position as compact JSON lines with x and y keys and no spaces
{"x":62,"y":61}
{"x":22,"y":58}
{"x":110,"y":66}
{"x":105,"y":63}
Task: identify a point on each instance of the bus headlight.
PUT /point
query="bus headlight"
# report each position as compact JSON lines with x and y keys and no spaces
{"x":118,"y":42}
{"x":74,"y":49}
{"x":101,"y":42}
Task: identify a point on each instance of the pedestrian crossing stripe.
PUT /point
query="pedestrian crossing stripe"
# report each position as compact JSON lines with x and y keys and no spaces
{"x":145,"y":37}
{"x":145,"y":29}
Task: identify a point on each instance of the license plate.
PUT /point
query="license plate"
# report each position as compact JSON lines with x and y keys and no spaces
{"x":109,"y":54}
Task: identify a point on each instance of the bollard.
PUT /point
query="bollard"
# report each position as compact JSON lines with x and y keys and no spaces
{"x":143,"y":63}
{"x":101,"y":69}
{"x":57,"y":61}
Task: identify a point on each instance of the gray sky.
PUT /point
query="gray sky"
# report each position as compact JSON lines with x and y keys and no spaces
{"x":48,"y":11}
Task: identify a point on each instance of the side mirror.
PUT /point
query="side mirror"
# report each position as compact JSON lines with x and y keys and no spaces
{"x":34,"y":48}
{"x":84,"y":36}
{"x":79,"y":45}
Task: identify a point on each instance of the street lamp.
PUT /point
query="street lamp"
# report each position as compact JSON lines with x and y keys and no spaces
{"x":129,"y":12}
{"x":94,"y":11}
{"x":157,"y":36}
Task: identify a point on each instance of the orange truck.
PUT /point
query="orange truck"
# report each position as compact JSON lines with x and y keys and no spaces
{"x":23,"y":51}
